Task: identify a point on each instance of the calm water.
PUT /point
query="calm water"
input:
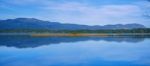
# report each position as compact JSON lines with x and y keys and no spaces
{"x":74,"y":51}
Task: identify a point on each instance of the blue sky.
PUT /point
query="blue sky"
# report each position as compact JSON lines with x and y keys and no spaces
{"x":89,"y":12}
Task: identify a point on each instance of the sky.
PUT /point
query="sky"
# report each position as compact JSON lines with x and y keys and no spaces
{"x":88,"y":12}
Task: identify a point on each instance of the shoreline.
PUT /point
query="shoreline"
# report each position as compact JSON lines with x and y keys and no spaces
{"x":76,"y":34}
{"x":92,"y":34}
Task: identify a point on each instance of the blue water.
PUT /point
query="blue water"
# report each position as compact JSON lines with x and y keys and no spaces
{"x":74,"y":51}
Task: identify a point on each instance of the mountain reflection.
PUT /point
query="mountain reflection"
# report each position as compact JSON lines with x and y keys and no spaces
{"x":31,"y":42}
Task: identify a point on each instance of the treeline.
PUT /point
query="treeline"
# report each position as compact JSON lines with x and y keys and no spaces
{"x":140,"y":30}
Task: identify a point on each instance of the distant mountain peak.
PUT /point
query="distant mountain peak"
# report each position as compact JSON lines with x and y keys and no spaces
{"x":32,"y":23}
{"x":27,"y":19}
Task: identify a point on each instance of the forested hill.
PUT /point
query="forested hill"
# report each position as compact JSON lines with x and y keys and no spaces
{"x":32,"y":23}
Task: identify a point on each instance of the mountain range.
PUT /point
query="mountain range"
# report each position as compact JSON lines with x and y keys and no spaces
{"x":32,"y":23}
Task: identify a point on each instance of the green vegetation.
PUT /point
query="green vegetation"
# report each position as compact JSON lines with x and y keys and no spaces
{"x":140,"y":30}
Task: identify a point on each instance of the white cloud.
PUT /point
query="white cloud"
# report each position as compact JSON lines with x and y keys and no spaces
{"x":121,"y":10}
{"x":145,"y":7}
{"x":86,"y":14}
{"x":83,"y":13}
{"x":26,"y":2}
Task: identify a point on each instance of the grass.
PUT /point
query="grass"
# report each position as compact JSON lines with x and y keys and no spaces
{"x":86,"y":34}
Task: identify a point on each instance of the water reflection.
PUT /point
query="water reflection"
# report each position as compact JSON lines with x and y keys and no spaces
{"x":31,"y":42}
{"x":74,"y":51}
